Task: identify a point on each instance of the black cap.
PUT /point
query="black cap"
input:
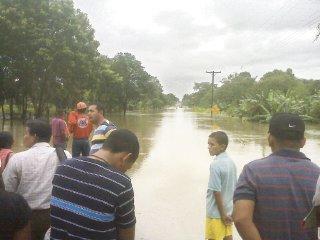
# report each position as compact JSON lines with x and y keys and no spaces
{"x":287,"y":126}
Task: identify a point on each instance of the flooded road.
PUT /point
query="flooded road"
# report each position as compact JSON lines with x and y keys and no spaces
{"x":170,"y":177}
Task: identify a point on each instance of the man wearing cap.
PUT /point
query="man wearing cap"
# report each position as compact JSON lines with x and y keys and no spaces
{"x":80,"y":126}
{"x":103,"y":127}
{"x":274,"y":194}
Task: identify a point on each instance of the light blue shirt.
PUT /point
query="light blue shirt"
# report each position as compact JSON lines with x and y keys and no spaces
{"x":223,"y":178}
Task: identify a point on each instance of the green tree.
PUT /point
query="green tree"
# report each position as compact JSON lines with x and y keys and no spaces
{"x":49,"y":44}
{"x":277,"y":80}
{"x":234,"y":88}
{"x":132,"y":72}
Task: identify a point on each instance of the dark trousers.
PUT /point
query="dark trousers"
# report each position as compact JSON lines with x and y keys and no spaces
{"x":40,"y":223}
{"x":63,"y":145}
{"x":80,"y":146}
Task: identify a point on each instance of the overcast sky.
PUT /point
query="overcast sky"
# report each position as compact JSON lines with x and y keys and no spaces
{"x":178,"y":40}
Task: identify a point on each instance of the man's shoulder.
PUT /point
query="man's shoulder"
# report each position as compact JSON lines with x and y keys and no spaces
{"x":106,"y":125}
{"x":227,"y":157}
{"x":221,"y":159}
{"x":21,"y":155}
{"x":260,"y":161}
{"x":97,"y":168}
{"x":274,"y":161}
{"x":255,"y":165}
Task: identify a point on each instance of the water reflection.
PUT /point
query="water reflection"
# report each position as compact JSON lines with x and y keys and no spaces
{"x":143,"y":125}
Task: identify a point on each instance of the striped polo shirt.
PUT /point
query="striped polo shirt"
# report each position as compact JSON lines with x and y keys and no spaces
{"x":90,"y":200}
{"x":282,"y":186}
{"x":100,"y":134}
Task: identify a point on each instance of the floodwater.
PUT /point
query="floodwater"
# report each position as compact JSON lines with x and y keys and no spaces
{"x":171,"y":174}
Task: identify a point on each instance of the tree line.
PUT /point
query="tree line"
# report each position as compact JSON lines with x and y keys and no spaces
{"x":245,"y":96}
{"x":49,"y":57}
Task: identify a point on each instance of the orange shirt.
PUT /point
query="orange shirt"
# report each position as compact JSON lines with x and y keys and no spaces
{"x":79,"y":125}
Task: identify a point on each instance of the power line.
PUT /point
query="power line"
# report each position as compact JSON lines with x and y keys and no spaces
{"x":287,"y":40}
{"x":267,"y":23}
{"x":284,"y":41}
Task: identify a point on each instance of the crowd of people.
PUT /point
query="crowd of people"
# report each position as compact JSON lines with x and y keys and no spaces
{"x":48,"y":193}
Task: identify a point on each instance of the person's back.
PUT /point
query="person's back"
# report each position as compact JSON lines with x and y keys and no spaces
{"x":228,"y":177}
{"x":284,"y":183}
{"x":35,"y":168}
{"x":223,"y":173}
{"x":80,"y":127}
{"x":60,"y":132}
{"x":87,"y":197}
{"x":92,"y":198}
{"x":30,"y":173}
{"x":275,"y":193}
{"x":222,"y":181}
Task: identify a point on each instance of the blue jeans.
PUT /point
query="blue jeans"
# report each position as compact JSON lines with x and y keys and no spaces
{"x":80,"y":146}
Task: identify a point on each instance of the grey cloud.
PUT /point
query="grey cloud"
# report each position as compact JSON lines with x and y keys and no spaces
{"x":266,"y":15}
{"x":258,"y":36}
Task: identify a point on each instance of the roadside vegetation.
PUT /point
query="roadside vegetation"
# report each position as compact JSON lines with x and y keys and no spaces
{"x":244,"y":96}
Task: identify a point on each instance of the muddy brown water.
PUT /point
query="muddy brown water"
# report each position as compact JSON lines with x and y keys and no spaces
{"x":171,"y":174}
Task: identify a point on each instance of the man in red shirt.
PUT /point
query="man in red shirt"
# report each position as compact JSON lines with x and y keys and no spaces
{"x":80,"y":127}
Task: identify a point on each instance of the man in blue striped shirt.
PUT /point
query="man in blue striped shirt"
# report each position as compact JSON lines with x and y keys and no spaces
{"x":274,"y":194}
{"x":92,"y":198}
{"x":103,"y":127}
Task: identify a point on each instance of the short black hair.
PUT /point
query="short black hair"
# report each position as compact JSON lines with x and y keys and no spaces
{"x":122,"y":140}
{"x":99,"y":107}
{"x":6,"y":140}
{"x":220,"y":137}
{"x":41,"y":129}
{"x":15,"y":214}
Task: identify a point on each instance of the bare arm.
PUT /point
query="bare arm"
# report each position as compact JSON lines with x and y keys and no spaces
{"x":126,"y":233}
{"x":227,"y":220}
{"x":242,"y":216}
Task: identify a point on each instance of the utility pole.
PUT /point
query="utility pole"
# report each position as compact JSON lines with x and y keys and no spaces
{"x":212,"y":74}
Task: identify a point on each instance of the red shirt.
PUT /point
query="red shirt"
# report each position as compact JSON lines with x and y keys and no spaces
{"x":4,"y":157}
{"x":79,"y":125}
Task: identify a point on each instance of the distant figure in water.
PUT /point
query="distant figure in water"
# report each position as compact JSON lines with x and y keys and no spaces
{"x":222,"y":182}
{"x":6,"y":142}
